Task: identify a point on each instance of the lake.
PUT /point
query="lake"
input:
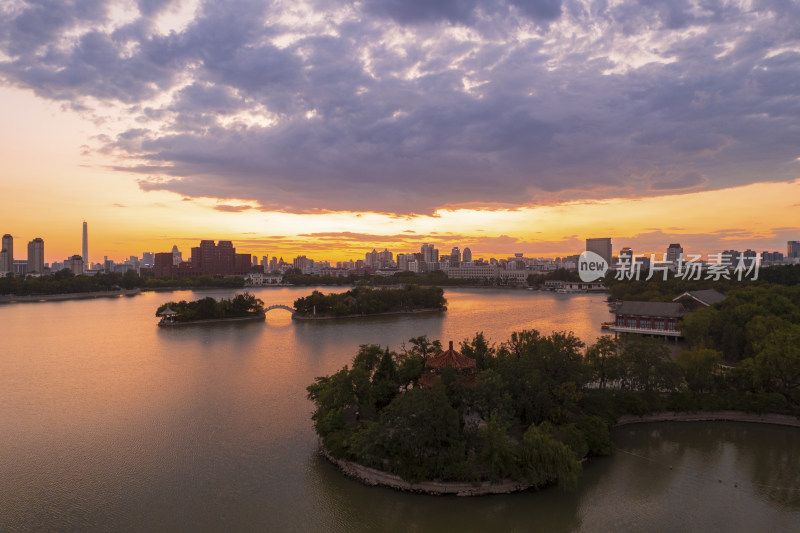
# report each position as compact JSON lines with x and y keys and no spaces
{"x":108,"y":422}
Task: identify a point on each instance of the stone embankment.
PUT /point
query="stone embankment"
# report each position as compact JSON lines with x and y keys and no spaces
{"x":374,"y":477}
{"x":710,"y":416}
{"x":371,"y":476}
{"x":176,"y":323}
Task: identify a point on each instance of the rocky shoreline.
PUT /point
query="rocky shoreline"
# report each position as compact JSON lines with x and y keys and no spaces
{"x":374,"y":477}
{"x":711,"y":416}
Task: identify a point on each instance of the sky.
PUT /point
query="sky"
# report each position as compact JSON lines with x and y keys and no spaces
{"x":327,"y":128}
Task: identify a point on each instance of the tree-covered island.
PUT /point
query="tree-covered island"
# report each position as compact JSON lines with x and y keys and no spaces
{"x":533,"y":407}
{"x":365,"y":301}
{"x":240,"y":307}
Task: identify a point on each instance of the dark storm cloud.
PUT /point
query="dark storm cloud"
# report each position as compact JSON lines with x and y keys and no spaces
{"x":405,"y":107}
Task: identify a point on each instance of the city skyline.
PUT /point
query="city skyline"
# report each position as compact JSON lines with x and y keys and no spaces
{"x":327,"y":130}
{"x":427,"y":253}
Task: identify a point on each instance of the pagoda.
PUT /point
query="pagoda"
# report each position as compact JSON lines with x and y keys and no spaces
{"x":434,"y":365}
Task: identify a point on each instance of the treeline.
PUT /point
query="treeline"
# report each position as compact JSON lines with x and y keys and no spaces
{"x":659,"y":290}
{"x":751,"y":321}
{"x":538,"y":404}
{"x":369,"y":301}
{"x":434,"y":278}
{"x":64,"y":281}
{"x":241,"y":305}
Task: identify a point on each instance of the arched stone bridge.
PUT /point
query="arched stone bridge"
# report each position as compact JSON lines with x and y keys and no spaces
{"x":280,"y":306}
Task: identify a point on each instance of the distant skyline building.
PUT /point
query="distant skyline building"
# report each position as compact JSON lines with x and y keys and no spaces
{"x":147,"y":259}
{"x":466,"y":256}
{"x":674,"y":252}
{"x":455,"y":256}
{"x":75,"y":264}
{"x":210,"y":259}
{"x":601,"y":246}
{"x":792,"y":249}
{"x":429,"y":253}
{"x":85,"y":245}
{"x":36,"y":256}
{"x":177,"y":256}
{"x":7,"y":254}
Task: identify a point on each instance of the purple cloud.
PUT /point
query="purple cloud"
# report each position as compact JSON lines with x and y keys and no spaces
{"x":406,"y":107}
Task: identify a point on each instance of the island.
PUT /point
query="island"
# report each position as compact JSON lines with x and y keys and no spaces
{"x":241,"y":307}
{"x":480,"y":418}
{"x":367,"y":301}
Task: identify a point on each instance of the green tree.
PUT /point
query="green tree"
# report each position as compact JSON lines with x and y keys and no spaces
{"x":497,"y":452}
{"x":601,"y":358}
{"x":777,"y":364}
{"x":545,"y":460}
{"x":646,"y":366}
{"x":699,"y":366}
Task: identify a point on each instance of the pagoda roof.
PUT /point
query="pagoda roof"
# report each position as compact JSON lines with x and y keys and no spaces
{"x":168,"y":311}
{"x":450,"y":358}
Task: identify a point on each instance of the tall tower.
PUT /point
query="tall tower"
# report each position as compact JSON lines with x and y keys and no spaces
{"x":85,"y":247}
{"x":8,"y":248}
{"x":601,"y":247}
{"x":36,"y":256}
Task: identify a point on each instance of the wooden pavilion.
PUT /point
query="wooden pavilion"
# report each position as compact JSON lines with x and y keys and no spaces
{"x":434,"y":365}
{"x":167,"y":316}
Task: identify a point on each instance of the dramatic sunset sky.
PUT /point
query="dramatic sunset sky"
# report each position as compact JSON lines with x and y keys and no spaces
{"x":328,"y":127}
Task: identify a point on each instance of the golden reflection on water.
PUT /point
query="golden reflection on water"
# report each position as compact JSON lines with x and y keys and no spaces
{"x":109,"y":422}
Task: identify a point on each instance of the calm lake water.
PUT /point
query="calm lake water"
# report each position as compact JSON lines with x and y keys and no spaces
{"x":108,"y":422}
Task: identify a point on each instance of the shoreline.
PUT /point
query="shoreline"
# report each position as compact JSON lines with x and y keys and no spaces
{"x":28,"y":298}
{"x":378,"y":478}
{"x":711,"y":416}
{"x":374,"y":477}
{"x":295,"y":316}
{"x":212,"y":321}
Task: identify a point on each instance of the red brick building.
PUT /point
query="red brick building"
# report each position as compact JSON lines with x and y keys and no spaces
{"x":208,"y":259}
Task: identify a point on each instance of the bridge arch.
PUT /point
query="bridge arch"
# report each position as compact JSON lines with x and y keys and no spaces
{"x":280,"y":306}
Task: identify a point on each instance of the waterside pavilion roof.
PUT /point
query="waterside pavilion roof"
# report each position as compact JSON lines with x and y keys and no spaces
{"x":168,"y":311}
{"x":450,"y":358}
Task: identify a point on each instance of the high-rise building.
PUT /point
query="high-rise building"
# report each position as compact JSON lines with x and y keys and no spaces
{"x":36,"y":256}
{"x":177,"y":256}
{"x":7,"y":265}
{"x":674,"y":252}
{"x":429,"y":253}
{"x":371,"y":259}
{"x":75,"y":264}
{"x":455,"y":256}
{"x":221,"y":259}
{"x":792,"y":248}
{"x":600,"y":246}
{"x":466,"y":256}
{"x":85,"y":245}
{"x":147,"y":259}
